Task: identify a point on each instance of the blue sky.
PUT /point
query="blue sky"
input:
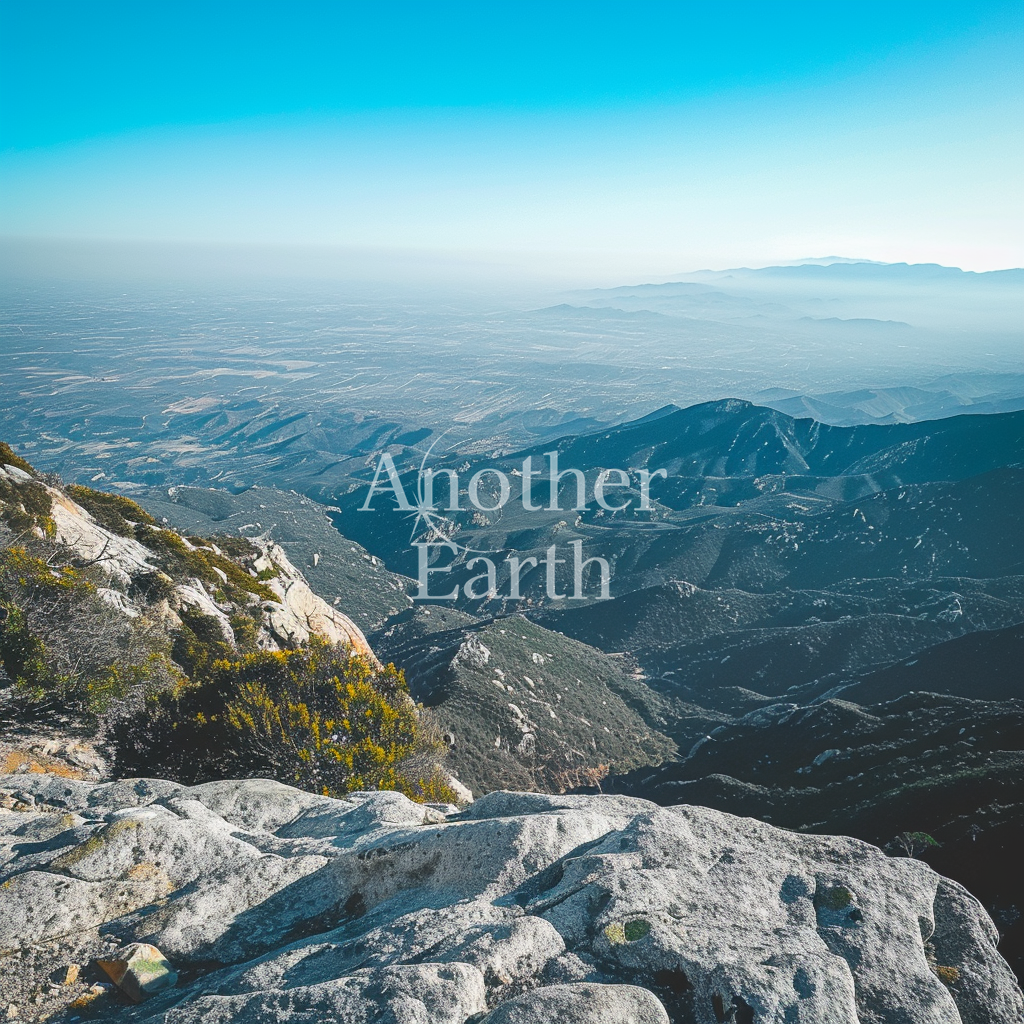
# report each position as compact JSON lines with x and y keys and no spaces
{"x":610,"y":137}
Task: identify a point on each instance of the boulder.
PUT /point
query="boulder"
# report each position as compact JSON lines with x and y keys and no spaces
{"x":299,"y":612}
{"x":139,"y":971}
{"x":122,"y":557}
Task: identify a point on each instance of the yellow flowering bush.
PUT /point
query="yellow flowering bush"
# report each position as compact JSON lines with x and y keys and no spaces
{"x":320,"y":717}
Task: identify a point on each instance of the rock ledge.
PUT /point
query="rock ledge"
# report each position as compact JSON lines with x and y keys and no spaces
{"x":280,"y":906}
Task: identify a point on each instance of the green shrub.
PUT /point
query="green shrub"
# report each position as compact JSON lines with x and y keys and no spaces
{"x":324,"y":719}
{"x":199,"y":643}
{"x":65,"y":650}
{"x":235,"y":547}
{"x":25,"y":505}
{"x":22,"y":652}
{"x":246,"y":630}
{"x":911,"y":844}
{"x":34,"y":596}
{"x":9,"y":458}
{"x":618,"y":933}
{"x":177,"y":559}
{"x":320,"y":717}
{"x":835,"y":897}
{"x":239,"y":583}
{"x":114,"y":512}
{"x":154,"y":586}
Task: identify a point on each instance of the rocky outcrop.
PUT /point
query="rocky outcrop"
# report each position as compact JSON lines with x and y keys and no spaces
{"x":122,"y":558}
{"x":299,"y":613}
{"x":338,"y":569}
{"x":293,"y":615}
{"x":281,"y":906}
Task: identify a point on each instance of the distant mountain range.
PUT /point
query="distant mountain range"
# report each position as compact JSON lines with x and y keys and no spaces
{"x":839,"y":269}
{"x":296,"y":384}
{"x":952,"y":395}
{"x":925,"y":295}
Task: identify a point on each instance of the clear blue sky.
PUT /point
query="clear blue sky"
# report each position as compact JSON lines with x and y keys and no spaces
{"x":623,"y":136}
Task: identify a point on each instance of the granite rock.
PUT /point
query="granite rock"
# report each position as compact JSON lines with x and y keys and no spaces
{"x":278,"y":905}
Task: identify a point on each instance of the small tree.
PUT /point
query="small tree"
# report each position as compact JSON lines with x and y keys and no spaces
{"x":911,"y":844}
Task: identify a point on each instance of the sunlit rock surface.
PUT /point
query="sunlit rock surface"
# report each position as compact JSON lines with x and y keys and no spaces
{"x":278,"y":905}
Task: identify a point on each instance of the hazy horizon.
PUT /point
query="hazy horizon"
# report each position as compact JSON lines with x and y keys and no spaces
{"x":28,"y":258}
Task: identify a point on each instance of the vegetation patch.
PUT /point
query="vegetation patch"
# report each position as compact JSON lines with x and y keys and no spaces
{"x":245,"y":626}
{"x":187,"y":698}
{"x":113,"y":512}
{"x":199,"y":643}
{"x":199,"y":558}
{"x":911,"y":844}
{"x":320,"y":717}
{"x":835,"y":898}
{"x":619,"y":933}
{"x":236,"y":547}
{"x":93,"y":844}
{"x":19,"y":761}
{"x":63,"y":649}
{"x":8,"y":457}
{"x":25,"y":506}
